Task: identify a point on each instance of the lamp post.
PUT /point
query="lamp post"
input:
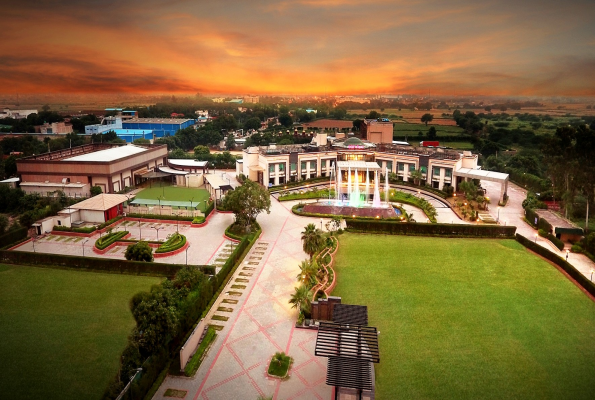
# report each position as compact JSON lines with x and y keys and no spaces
{"x":177,"y":220}
{"x":498,"y":219}
{"x":536,"y":238}
{"x":567,"y":251}
{"x":320,"y":223}
{"x":191,"y":200}
{"x":33,"y":241}
{"x":187,"y":253}
{"x":140,"y":231}
{"x":85,"y":241}
{"x":159,"y":199}
{"x":592,"y":270}
{"x":157,"y":228}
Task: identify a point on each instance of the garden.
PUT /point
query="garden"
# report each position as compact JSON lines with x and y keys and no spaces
{"x":63,"y":331}
{"x":469,"y":318}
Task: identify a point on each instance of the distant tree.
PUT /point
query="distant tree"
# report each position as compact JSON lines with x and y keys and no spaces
{"x":141,"y":141}
{"x":200,"y":152}
{"x":488,"y":108}
{"x":432,"y":134}
{"x":252,"y":123}
{"x":357,"y":124}
{"x":230,"y":142}
{"x":373,"y":115}
{"x":95,"y":190}
{"x":339,"y":113}
{"x":46,"y":108}
{"x":10,"y":166}
{"x":427,"y":118}
{"x":286,"y":120}
{"x":140,"y":251}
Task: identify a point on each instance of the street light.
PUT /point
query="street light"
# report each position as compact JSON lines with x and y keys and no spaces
{"x":157,"y":228}
{"x":177,"y":220}
{"x":84,"y":246}
{"x":159,"y":199}
{"x":498,"y":219}
{"x":536,"y":238}
{"x":567,"y":251}
{"x":187,"y":253}
{"x":320,"y":223}
{"x":140,"y":231}
{"x":592,"y":270}
{"x":33,"y":241}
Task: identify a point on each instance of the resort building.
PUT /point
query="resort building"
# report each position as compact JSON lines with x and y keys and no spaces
{"x":275,"y":165}
{"x":74,"y":171}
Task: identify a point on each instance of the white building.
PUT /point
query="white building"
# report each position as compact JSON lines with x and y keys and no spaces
{"x":16,"y":114}
{"x":106,"y":125}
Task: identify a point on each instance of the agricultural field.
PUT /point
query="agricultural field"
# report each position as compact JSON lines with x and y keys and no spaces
{"x":62,"y":331}
{"x":469,"y":318}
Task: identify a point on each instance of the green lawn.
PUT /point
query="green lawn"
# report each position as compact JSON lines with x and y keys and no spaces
{"x":61,"y":332}
{"x":176,"y":194}
{"x":469,"y":319}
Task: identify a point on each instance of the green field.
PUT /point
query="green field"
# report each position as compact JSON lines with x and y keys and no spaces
{"x":61,"y":332}
{"x":414,"y":129}
{"x":469,"y":319}
{"x":176,"y":194}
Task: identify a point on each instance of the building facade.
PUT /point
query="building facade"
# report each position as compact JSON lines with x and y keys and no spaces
{"x":276,"y":165}
{"x":76,"y":170}
{"x":377,"y":131}
{"x":160,"y":126}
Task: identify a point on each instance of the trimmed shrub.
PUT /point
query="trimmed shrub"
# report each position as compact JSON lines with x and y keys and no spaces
{"x":111,"y":221}
{"x":210,"y":208}
{"x":157,"y":216}
{"x":108,"y":239}
{"x":421,"y":229}
{"x":60,"y":228}
{"x":140,"y":251}
{"x":175,"y":242}
{"x":198,"y":220}
{"x":13,"y":236}
{"x":576,"y":248}
{"x":559,"y":261}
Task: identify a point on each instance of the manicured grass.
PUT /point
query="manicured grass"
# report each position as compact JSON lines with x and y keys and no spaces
{"x":196,"y":360}
{"x":469,"y":319}
{"x":61,"y":332}
{"x":279,"y":365}
{"x":176,"y":194}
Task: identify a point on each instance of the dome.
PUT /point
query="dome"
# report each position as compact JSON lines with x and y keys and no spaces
{"x":353,"y":142}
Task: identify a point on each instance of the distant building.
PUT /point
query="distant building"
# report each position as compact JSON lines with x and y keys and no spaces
{"x":160,"y":126}
{"x":251,"y":99}
{"x":235,"y":101}
{"x":309,"y":110}
{"x":16,"y":114}
{"x":107,"y":124}
{"x":377,"y":131}
{"x":54,"y":128}
{"x":218,"y":99}
{"x":75,"y":170}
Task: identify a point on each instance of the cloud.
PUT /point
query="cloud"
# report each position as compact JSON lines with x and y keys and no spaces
{"x":266,"y":46}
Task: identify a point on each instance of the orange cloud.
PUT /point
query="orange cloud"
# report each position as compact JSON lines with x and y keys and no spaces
{"x":304,"y":46}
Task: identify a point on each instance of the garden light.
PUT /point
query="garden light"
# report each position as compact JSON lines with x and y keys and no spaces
{"x":567,"y":251}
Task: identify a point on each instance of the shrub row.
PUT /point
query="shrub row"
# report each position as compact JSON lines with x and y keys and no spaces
{"x":298,"y":183}
{"x":108,"y":239}
{"x":111,"y":221}
{"x":297,"y":210}
{"x":437,"y":192}
{"x":197,"y":358}
{"x":158,"y":216}
{"x":61,"y":228}
{"x":421,"y":229}
{"x":407,"y":198}
{"x":559,"y":261}
{"x":13,"y":236}
{"x":310,"y":194}
{"x":88,"y":263}
{"x":531,"y":216}
{"x":210,"y":208}
{"x":198,"y":220}
{"x":175,"y":242}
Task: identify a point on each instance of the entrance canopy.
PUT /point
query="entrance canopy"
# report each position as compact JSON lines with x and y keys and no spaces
{"x":359,"y":165}
{"x":482,"y":174}
{"x":347,"y":341}
{"x":349,"y":373}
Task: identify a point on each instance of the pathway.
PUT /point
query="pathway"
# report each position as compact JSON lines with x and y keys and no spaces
{"x":260,"y":324}
{"x":513,"y":214}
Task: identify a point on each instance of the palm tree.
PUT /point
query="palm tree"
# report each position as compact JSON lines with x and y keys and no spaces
{"x":312,"y":239}
{"x":408,"y":216}
{"x":301,"y":298}
{"x":308,"y":271}
{"x":416,"y":175}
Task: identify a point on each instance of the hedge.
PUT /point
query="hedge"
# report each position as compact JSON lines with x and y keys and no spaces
{"x":196,"y":360}
{"x":111,"y":221}
{"x":296,"y":210}
{"x":158,"y":216}
{"x":108,"y":239}
{"x":13,"y":236}
{"x":62,"y":228}
{"x":559,"y":261}
{"x":421,"y":229}
{"x":198,"y":220}
{"x":557,"y":242}
{"x":175,"y":242}
{"x":209,"y":208}
{"x":88,"y":263}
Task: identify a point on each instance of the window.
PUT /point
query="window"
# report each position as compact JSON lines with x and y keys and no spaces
{"x":436,"y":172}
{"x":448,"y":173}
{"x":411,"y":167}
{"x":293,"y":167}
{"x":271,"y":168}
{"x":424,"y":170}
{"x":303,"y":165}
{"x":389,"y":165}
{"x":401,"y":167}
{"x":281,"y":167}
{"x":313,"y":165}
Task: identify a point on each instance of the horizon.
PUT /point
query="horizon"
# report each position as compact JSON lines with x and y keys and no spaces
{"x":289,"y":48}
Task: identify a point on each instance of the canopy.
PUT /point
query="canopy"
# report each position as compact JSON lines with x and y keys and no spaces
{"x":172,"y":203}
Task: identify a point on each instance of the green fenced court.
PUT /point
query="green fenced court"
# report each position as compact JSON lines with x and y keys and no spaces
{"x":469,"y":318}
{"x":177,"y":197}
{"x":61,"y":332}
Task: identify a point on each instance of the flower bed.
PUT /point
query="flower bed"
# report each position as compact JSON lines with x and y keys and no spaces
{"x":175,"y":242}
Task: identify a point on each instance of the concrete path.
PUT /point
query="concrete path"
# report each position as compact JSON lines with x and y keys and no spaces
{"x":262,"y":323}
{"x":513,"y":214}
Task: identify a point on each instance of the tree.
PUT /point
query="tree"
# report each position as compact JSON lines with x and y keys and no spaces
{"x":253,"y":123}
{"x":301,"y":299}
{"x":308,"y":271}
{"x":357,"y":123}
{"x":95,"y":190}
{"x":470,"y":189}
{"x":286,"y":120}
{"x":340,"y":113}
{"x":156,"y":320}
{"x":230,"y":142}
{"x":427,"y":118}
{"x":140,"y":251}
{"x":373,"y":115}
{"x":247,"y":201}
{"x":432,"y":134}
{"x":408,"y":216}
{"x":416,"y":175}
{"x":141,"y":141}
{"x":3,"y":223}
{"x":312,"y":239}
{"x":201,"y":152}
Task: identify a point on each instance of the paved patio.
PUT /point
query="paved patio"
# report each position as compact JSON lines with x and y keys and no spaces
{"x":261,"y":324}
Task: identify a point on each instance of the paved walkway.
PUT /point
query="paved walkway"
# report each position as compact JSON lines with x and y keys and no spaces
{"x":513,"y":214}
{"x":262,"y":323}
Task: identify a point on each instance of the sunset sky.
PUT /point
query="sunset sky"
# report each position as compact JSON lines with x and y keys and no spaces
{"x":489,"y":47}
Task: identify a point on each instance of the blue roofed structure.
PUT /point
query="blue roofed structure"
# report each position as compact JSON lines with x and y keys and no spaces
{"x":159,"y":126}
